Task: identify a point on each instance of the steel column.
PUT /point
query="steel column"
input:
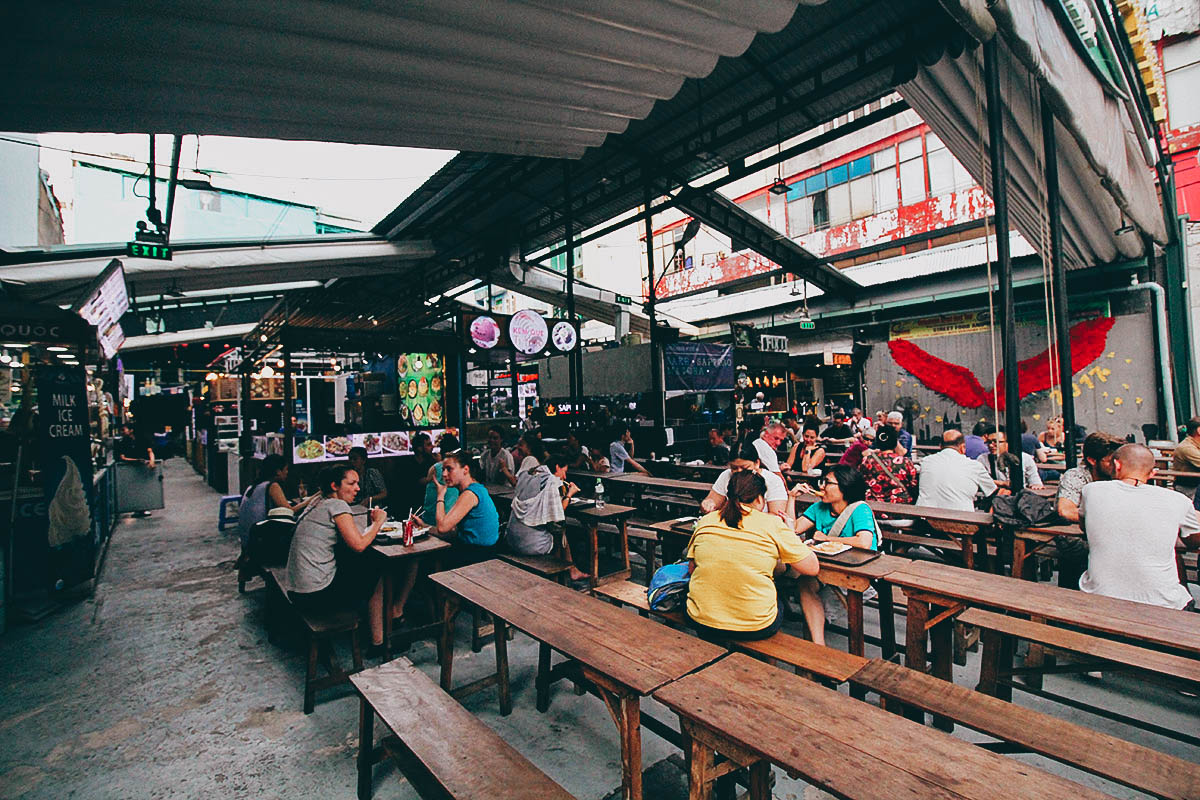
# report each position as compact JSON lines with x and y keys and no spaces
{"x":574,"y":364}
{"x":1058,"y":272}
{"x":656,"y":389}
{"x":289,"y":402}
{"x":1008,"y":317}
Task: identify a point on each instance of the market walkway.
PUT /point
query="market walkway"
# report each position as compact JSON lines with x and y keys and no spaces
{"x":164,"y":686}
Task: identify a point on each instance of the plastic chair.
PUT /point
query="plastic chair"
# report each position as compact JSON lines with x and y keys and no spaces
{"x":227,"y":514}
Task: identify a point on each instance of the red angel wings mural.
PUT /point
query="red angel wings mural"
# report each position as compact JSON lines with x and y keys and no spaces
{"x":959,"y":384}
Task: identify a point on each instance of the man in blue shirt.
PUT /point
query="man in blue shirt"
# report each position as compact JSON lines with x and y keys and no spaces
{"x":618,"y":453}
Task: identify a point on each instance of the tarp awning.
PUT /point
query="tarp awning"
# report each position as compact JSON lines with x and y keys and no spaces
{"x":1106,"y":177}
{"x":523,"y":77}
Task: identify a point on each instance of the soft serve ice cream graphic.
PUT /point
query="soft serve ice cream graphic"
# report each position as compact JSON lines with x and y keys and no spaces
{"x":69,"y":512}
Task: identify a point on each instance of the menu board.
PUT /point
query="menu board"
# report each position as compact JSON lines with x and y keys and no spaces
{"x":337,"y":448}
{"x":104,"y":306}
{"x":420,"y":380}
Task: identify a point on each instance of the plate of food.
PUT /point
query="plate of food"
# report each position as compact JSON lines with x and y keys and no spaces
{"x":396,"y":442}
{"x":423,"y":386}
{"x":418,"y":414}
{"x":432,"y":360}
{"x":435,"y":412}
{"x":402,"y":365}
{"x":372,"y":442}
{"x":435,"y":384}
{"x":405,"y":414}
{"x":310,"y":450}
{"x":338,"y":445}
{"x":412,"y":388}
{"x":830,"y":548}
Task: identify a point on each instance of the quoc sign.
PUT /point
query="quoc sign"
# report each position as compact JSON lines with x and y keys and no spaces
{"x":34,"y":331}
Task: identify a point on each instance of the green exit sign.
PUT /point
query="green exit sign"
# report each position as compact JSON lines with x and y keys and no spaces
{"x":807,"y":325}
{"x":625,"y":299}
{"x":161,"y":252}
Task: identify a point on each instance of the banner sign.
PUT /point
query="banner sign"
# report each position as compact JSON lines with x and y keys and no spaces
{"x":56,"y":546}
{"x":694,"y":367}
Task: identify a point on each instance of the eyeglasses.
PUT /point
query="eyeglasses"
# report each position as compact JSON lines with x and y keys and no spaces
{"x":823,"y":482}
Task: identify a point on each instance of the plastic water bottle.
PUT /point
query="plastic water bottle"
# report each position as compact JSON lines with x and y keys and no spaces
{"x":599,"y":494}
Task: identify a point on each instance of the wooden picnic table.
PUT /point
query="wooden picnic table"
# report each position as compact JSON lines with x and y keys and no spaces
{"x":928,"y":585}
{"x":669,"y":469}
{"x":394,"y":555}
{"x":621,"y":656}
{"x":757,"y":715}
{"x":854,"y":579}
{"x":642,"y":482}
{"x":1028,"y":541}
{"x":591,"y":518}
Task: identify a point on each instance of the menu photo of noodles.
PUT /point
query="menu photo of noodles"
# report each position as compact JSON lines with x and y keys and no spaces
{"x":420,"y":383}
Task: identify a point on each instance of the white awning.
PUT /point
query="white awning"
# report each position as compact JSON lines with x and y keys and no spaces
{"x":529,"y":77}
{"x":1105,"y":165}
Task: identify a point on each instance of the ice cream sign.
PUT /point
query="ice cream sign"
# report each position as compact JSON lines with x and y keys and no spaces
{"x":528,"y":332}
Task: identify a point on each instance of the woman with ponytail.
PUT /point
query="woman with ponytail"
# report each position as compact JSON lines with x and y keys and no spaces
{"x":735,"y":554}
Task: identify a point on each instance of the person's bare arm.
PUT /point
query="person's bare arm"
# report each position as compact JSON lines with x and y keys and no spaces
{"x":447,"y":521}
{"x":1067,"y":509}
{"x":805,"y":567}
{"x":355,"y":539}
{"x":712,"y":502}
{"x":572,"y":490}
{"x":636,"y":466}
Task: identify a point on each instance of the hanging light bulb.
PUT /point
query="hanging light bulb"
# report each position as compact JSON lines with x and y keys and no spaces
{"x":5,"y":358}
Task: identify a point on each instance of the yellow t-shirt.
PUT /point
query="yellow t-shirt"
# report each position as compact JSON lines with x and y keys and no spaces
{"x":732,"y":586}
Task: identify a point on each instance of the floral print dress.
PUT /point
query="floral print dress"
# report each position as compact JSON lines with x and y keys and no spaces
{"x":883,"y":489}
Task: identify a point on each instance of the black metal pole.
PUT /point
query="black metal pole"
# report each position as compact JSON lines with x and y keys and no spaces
{"x":1058,"y":272}
{"x":175,"y":148}
{"x":573,"y":364}
{"x":656,"y":390}
{"x":153,"y":182}
{"x":1008,"y":317}
{"x":289,"y":402}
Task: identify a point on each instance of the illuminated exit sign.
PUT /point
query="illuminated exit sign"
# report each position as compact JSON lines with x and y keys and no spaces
{"x":807,"y":325}
{"x":159,"y":252}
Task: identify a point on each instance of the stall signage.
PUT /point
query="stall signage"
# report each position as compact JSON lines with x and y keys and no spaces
{"x":485,"y":332}
{"x":772,"y":344}
{"x":104,"y":305}
{"x":158,"y":252}
{"x":528,"y":332}
{"x":564,"y":336}
{"x":842,"y":360}
{"x":65,"y":457}
{"x":695,"y":367}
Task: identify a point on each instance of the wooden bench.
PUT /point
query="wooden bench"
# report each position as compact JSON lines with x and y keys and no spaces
{"x":320,"y":629}
{"x":813,"y":660}
{"x":1026,"y":730}
{"x":550,"y":566}
{"x":999,"y":632}
{"x":440,"y":747}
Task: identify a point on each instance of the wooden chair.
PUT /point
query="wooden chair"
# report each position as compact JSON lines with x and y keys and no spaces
{"x":320,"y":630}
{"x":440,"y":747}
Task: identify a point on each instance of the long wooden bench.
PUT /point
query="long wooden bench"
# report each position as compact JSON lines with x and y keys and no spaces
{"x":441,"y":748}
{"x":1000,"y":630}
{"x":320,"y":630}
{"x":1126,"y":763}
{"x":813,"y":660}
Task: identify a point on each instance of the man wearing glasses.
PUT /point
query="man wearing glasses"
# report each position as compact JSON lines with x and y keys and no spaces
{"x":998,"y":460}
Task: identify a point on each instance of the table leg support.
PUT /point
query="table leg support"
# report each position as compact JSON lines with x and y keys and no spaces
{"x":942,"y":638}
{"x":388,"y":592}
{"x":625,"y":708}
{"x":887,"y":620}
{"x":446,"y":643}
{"x":914,"y":658}
{"x":500,"y":627}
{"x":701,"y":757}
{"x":594,"y":553}
{"x":854,"y":619}
{"x":366,"y":749}
{"x":543,"y":678}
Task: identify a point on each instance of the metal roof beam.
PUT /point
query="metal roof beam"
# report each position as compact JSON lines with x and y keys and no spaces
{"x":727,"y":217}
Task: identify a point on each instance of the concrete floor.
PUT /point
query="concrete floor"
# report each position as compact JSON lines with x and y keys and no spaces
{"x":163,"y":686}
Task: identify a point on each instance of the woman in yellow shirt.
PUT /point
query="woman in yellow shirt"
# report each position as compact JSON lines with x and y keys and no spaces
{"x":734,"y":556}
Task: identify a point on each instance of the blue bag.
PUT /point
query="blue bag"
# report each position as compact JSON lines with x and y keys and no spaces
{"x":669,"y":586}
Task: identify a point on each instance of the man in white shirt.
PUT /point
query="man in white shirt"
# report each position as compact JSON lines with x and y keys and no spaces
{"x":951,"y":480}
{"x":858,"y":423}
{"x":1132,"y":528}
{"x":496,"y":461}
{"x":767,"y":443}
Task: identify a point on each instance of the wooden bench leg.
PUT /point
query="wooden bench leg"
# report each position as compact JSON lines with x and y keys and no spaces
{"x":625,"y":708}
{"x":366,"y":749}
{"x":356,"y":650}
{"x":501,"y":637}
{"x":914,"y":658}
{"x":446,"y":643}
{"x":593,"y":554}
{"x":942,"y":638}
{"x":760,"y":781}
{"x":542,"y":681}
{"x":1035,"y":658}
{"x":310,"y":675}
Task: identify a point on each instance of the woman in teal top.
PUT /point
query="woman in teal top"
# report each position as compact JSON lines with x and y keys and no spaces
{"x":428,"y":515}
{"x":841,"y":486}
{"x":472,"y":523}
